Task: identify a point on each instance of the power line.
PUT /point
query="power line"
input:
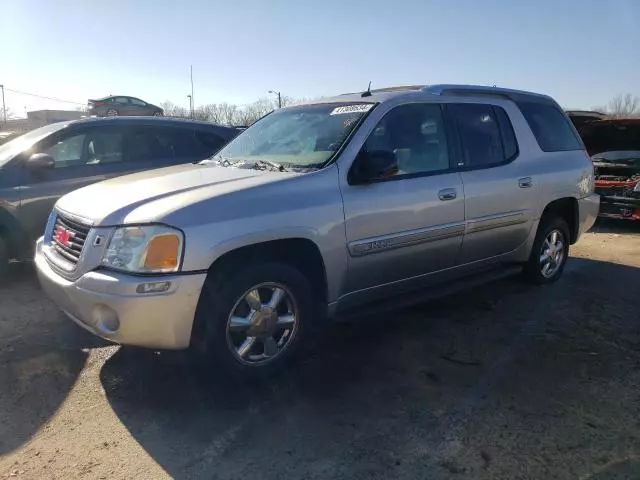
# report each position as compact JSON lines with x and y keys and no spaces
{"x":42,"y":96}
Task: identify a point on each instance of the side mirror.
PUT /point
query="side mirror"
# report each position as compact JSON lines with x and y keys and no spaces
{"x":374,"y":165}
{"x":40,"y":161}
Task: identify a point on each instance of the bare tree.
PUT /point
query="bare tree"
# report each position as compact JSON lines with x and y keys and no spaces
{"x":173,"y":110}
{"x":627,"y":105}
{"x":227,"y":113}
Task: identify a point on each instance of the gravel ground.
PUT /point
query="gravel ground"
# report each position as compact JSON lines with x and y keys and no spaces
{"x":506,"y":381}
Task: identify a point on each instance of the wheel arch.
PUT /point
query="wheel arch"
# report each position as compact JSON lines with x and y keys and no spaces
{"x":301,"y":252}
{"x":568,"y":209}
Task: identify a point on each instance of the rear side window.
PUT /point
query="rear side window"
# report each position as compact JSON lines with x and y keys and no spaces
{"x":161,"y":143}
{"x":551,"y":128}
{"x":210,"y":142}
{"x":486,"y":135}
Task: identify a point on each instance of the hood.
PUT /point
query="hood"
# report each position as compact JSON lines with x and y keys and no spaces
{"x":155,"y":193}
{"x":615,"y":136}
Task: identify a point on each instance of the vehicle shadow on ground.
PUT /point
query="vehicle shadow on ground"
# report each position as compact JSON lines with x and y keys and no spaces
{"x":612,"y":225}
{"x":381,"y":397}
{"x":41,"y":356}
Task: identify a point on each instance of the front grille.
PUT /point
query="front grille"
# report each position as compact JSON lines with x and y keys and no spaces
{"x":68,"y":238}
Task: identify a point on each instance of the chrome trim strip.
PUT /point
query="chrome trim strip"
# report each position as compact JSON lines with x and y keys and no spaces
{"x":371,"y":245}
{"x":489,"y":222}
{"x":75,"y":218}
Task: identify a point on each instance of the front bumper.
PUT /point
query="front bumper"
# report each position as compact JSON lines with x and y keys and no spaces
{"x":620,"y":207}
{"x":106,"y":303}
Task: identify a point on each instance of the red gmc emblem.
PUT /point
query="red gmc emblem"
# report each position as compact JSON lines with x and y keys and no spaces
{"x":63,"y":236}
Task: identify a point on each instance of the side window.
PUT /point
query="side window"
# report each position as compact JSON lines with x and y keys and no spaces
{"x":67,"y":151}
{"x":210,"y":142}
{"x":91,"y":147}
{"x":121,"y":100}
{"x":416,"y":135}
{"x":145,"y":145}
{"x":480,"y":134}
{"x":137,"y":102}
{"x":161,"y":143}
{"x":550,"y":127}
{"x":509,"y":141}
{"x":104,"y":146}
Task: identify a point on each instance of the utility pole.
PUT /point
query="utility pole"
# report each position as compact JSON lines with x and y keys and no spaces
{"x":190,"y":106}
{"x":4,"y":107}
{"x":279,"y":97}
{"x":193,"y":103}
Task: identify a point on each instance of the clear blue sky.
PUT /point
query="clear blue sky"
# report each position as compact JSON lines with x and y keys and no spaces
{"x":582,"y":52}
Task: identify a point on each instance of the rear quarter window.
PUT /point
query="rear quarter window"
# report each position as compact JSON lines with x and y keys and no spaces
{"x":550,"y":126}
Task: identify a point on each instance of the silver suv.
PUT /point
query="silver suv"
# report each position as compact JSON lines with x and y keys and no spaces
{"x":318,"y":210}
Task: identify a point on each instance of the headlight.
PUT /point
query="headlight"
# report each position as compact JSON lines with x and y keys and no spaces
{"x":145,"y":249}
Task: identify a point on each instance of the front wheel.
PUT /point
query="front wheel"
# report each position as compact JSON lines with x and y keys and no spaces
{"x":158,"y":114}
{"x":256,"y":318}
{"x":550,"y":251}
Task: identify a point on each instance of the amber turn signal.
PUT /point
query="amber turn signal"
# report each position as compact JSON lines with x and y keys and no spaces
{"x":163,"y":252}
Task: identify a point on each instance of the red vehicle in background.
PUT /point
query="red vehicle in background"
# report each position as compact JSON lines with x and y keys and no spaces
{"x":614,"y":147}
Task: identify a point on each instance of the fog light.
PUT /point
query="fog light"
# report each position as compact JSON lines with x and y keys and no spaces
{"x":153,"y":287}
{"x":106,"y":319}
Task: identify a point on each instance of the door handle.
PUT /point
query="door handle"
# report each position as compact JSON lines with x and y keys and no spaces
{"x":525,"y":182}
{"x":447,"y":194}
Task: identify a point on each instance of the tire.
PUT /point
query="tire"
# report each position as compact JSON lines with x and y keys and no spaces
{"x":4,"y":259}
{"x":158,"y":114}
{"x":112,"y":112}
{"x":536,"y":270}
{"x":224,"y":301}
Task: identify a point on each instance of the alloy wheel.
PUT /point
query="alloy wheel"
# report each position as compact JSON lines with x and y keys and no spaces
{"x":552,"y":253}
{"x":262,"y":324}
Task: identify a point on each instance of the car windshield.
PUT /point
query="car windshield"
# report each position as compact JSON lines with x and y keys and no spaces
{"x":304,"y":136}
{"x":26,"y":141}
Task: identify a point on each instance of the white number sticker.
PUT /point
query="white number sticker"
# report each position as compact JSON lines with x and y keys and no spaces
{"x":365,"y":107}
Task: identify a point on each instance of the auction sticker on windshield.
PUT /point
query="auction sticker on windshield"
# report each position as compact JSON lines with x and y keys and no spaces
{"x":365,"y":107}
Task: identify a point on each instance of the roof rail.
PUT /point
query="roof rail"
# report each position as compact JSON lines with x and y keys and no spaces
{"x":481,"y":90}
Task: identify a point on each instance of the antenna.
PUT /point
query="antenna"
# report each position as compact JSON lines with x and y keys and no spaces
{"x":368,"y":92}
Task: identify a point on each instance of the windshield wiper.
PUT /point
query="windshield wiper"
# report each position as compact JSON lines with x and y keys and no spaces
{"x":273,"y":165}
{"x":219,"y":159}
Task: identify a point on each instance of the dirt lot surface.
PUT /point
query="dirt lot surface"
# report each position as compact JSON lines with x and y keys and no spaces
{"x":504,"y":382}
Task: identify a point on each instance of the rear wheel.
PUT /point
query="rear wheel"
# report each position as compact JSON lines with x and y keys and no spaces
{"x":550,"y":251}
{"x":255,"y":318}
{"x":112,"y":112}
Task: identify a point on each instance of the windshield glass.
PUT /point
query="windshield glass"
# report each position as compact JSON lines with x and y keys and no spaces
{"x":304,"y":136}
{"x":23,"y":142}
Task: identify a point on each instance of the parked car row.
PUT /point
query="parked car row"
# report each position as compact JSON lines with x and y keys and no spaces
{"x":39,"y":167}
{"x":316,"y":211}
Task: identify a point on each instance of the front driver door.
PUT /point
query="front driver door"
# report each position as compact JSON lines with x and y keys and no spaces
{"x":82,"y":156}
{"x":405,"y":226}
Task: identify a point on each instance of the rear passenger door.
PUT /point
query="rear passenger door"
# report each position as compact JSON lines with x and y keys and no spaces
{"x":499,"y":186}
